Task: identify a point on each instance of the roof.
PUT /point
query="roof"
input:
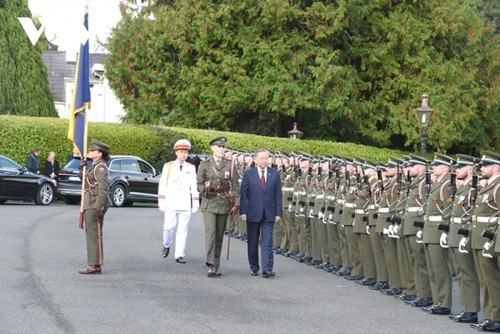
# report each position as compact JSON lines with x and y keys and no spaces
{"x":58,"y":69}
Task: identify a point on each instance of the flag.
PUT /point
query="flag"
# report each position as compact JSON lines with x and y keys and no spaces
{"x":81,"y":96}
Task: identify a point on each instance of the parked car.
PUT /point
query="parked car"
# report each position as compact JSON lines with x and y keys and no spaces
{"x":16,"y":183}
{"x":131,"y":179}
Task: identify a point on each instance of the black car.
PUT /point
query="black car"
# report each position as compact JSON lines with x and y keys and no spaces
{"x":16,"y":183}
{"x":131,"y":179}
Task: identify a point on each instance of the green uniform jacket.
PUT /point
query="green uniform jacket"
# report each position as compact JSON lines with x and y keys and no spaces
{"x":416,"y":198}
{"x":461,"y":213}
{"x":223,"y":185}
{"x":438,"y":204}
{"x":487,"y":205}
{"x":97,"y":187}
{"x":350,"y":200}
{"x":386,"y":205}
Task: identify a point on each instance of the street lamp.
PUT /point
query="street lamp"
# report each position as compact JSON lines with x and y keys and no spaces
{"x":424,"y":113}
{"x":294,"y":133}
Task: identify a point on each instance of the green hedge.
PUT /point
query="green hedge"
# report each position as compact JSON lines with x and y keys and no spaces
{"x":19,"y":135}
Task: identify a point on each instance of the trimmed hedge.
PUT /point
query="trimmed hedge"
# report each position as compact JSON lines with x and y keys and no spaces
{"x":19,"y":135}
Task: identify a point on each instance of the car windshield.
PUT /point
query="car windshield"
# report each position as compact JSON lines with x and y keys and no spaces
{"x":9,"y":165}
{"x":74,"y":164}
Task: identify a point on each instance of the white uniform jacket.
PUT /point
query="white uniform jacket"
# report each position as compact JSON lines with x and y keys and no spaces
{"x":177,"y":189}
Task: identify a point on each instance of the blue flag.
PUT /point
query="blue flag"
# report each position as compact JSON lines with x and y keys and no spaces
{"x":81,"y":97}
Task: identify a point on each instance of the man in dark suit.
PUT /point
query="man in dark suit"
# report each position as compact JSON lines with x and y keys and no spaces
{"x":261,"y":207}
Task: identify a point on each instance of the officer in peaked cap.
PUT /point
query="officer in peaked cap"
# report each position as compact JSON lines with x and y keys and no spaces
{"x":416,"y":160}
{"x":441,"y":159}
{"x":460,"y":248}
{"x":178,"y":197}
{"x":219,"y":141}
{"x":486,"y":217}
{"x":217,"y":181}
{"x":95,"y":204}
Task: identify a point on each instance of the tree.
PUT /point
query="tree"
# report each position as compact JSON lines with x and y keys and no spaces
{"x":24,"y":87}
{"x":347,"y":70}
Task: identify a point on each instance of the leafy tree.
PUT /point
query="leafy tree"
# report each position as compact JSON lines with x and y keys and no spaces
{"x":346,"y":70}
{"x":24,"y":87}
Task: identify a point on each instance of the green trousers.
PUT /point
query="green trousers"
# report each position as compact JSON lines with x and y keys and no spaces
{"x":214,"y":234}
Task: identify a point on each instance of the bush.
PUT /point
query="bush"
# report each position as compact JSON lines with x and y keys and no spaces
{"x":19,"y":135}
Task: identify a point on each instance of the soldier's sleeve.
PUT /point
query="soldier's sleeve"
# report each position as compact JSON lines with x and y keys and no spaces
{"x":201,"y":177}
{"x":101,"y":174}
{"x":235,"y":186}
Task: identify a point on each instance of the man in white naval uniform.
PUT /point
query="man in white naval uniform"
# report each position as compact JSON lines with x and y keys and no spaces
{"x":178,"y":197}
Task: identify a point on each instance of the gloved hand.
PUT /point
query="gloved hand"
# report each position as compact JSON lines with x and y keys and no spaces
{"x":83,"y":163}
{"x":443,"y":240}
{"x":99,"y":215}
{"x":234,"y":210}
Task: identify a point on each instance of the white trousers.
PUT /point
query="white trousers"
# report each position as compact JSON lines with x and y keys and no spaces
{"x":173,"y":219}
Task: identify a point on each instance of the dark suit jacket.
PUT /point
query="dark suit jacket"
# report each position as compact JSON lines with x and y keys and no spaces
{"x":254,"y":200}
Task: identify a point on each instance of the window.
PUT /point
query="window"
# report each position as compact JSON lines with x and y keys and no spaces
{"x":145,"y":168}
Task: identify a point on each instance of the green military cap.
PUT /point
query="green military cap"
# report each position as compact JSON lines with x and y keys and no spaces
{"x":220,"y":141}
{"x":466,"y":160}
{"x":416,"y":160}
{"x":348,"y":160}
{"x":369,"y":164}
{"x":394,"y":162}
{"x":441,"y":159}
{"x":96,"y":145}
{"x":489,"y":158}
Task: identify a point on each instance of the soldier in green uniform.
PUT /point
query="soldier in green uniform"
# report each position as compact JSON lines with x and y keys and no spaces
{"x":361,"y":220}
{"x":484,"y":223}
{"x":333,"y":237}
{"x":438,"y":211}
{"x":285,"y":174}
{"x":342,"y":187}
{"x":95,"y":204}
{"x":414,"y":212}
{"x":460,"y":221}
{"x":217,"y":181}
{"x":347,"y":220}
{"x":320,"y":237}
{"x":299,"y":206}
{"x":386,"y":209}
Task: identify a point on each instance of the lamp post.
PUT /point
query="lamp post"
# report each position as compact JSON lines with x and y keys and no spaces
{"x":294,"y":133}
{"x":424,"y":113}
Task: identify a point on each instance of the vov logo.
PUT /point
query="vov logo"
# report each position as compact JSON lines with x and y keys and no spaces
{"x":77,"y":30}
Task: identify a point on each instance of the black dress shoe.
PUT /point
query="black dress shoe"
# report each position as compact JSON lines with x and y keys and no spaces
{"x":480,"y":325}
{"x":336,"y":269}
{"x":379,"y":286}
{"x":409,"y":299}
{"x":438,"y":310}
{"x":254,"y":272}
{"x":322,"y":265}
{"x":343,"y":272}
{"x":422,"y":302}
{"x":465,"y":317}
{"x":91,"y":270}
{"x":165,"y":252}
{"x":267,"y":274}
{"x":180,"y":259}
{"x":353,"y":277}
{"x":491,"y":326}
{"x":368,"y":282}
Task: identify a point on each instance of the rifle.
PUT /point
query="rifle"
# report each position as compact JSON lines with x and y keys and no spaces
{"x":428,"y":181}
{"x":453,"y":181}
{"x":380,"y":178}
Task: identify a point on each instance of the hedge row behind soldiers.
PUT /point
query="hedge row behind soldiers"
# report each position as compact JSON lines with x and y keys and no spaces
{"x":402,"y":227}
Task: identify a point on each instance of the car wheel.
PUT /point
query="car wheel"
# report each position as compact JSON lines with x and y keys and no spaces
{"x":118,"y":195}
{"x":45,"y":194}
{"x":71,"y":200}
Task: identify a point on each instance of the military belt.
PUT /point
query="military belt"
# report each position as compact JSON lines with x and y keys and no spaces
{"x":320,"y":196}
{"x":360,"y":211}
{"x":384,"y":210}
{"x":371,"y":207}
{"x":349,"y":205}
{"x":341,"y":201}
{"x":412,"y":209}
{"x":433,"y":218}
{"x":287,"y":189}
{"x":216,"y":190}
{"x":457,"y":220}
{"x":484,"y":219}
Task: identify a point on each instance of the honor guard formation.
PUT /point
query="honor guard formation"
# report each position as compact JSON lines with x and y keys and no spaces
{"x":405,"y":227}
